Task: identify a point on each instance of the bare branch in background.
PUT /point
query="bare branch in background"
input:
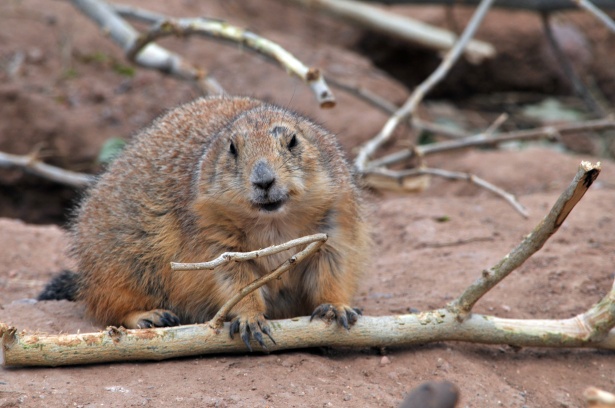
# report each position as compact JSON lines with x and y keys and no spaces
{"x":406,"y":111}
{"x":599,"y":14}
{"x":31,"y":164}
{"x":139,"y":48}
{"x":397,"y":26}
{"x":153,"y":56}
{"x":220,"y":30}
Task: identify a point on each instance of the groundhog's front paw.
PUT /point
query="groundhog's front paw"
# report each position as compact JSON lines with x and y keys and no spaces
{"x":345,"y":315}
{"x":151,"y":318}
{"x":251,"y":326}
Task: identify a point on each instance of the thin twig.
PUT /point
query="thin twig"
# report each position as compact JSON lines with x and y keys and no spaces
{"x":453,"y":175}
{"x":35,"y":166}
{"x":419,"y":93}
{"x":220,"y":30}
{"x":401,"y":27}
{"x":153,"y":56}
{"x":220,"y":317}
{"x":246,"y":256}
{"x":585,"y":176}
{"x":570,"y":73}
{"x":599,"y":14}
{"x":482,"y":140}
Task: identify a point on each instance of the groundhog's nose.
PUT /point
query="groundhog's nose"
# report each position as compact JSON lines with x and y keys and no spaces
{"x":262,"y":176}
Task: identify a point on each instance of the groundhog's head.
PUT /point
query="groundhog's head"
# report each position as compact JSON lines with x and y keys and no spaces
{"x":268,"y":162}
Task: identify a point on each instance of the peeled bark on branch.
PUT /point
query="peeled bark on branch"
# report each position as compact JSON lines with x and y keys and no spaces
{"x":120,"y":345}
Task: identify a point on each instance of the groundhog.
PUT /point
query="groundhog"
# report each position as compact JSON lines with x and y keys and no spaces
{"x":215,"y":175}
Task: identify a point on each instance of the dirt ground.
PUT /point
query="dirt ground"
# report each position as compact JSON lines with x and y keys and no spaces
{"x":73,"y":90}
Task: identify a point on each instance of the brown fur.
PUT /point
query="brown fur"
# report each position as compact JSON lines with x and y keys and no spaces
{"x":179,"y":193}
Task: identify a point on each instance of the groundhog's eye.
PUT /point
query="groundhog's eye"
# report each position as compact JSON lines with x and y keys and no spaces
{"x":232,"y":149}
{"x":293,"y":142}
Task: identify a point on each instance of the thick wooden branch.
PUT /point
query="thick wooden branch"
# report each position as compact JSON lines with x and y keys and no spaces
{"x":119,"y":345}
{"x":584,"y":178}
{"x":407,"y":110}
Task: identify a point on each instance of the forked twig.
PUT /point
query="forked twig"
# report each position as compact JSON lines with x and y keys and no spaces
{"x":218,"y":320}
{"x":584,"y":178}
{"x":315,"y":242}
{"x":406,"y":111}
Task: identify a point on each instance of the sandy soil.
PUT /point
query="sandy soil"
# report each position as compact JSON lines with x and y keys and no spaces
{"x":68,"y":100}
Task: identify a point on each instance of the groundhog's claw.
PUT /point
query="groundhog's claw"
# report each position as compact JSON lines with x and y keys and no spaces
{"x":251,"y":327}
{"x":345,"y":316}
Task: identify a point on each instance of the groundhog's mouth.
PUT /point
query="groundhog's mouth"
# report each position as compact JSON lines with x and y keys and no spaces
{"x":271,"y":206}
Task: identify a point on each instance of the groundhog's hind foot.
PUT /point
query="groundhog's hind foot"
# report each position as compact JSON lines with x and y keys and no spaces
{"x":251,"y":326}
{"x":345,"y":315}
{"x":151,"y":318}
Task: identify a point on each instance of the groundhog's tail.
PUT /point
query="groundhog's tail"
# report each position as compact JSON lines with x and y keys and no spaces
{"x":62,"y":286}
